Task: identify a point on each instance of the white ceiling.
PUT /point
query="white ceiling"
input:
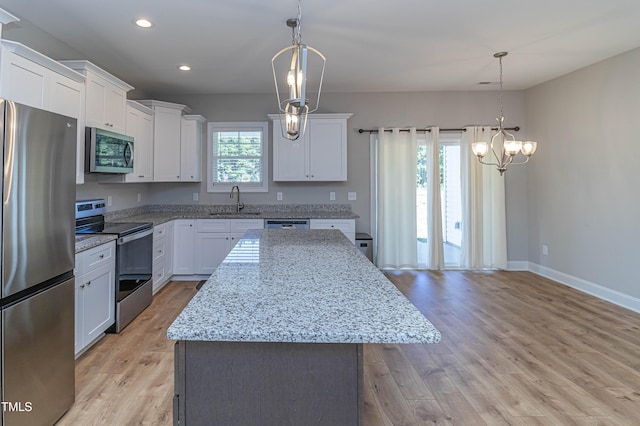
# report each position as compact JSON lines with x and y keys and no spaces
{"x":370,"y":45}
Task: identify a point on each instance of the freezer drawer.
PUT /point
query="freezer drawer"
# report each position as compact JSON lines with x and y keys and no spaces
{"x":38,"y":364}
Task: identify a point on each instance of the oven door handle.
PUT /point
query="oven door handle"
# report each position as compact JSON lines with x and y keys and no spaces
{"x":133,"y":237}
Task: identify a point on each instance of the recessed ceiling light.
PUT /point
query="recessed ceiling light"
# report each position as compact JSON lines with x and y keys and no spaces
{"x":184,"y":68}
{"x":143,"y":23}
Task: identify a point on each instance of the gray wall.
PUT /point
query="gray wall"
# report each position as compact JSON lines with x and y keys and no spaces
{"x":371,"y":110}
{"x":445,"y":109}
{"x":583,"y":181}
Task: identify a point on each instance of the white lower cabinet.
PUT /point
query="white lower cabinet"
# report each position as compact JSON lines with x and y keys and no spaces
{"x":162,"y":254}
{"x":211,"y":249}
{"x":183,"y":246}
{"x":95,"y":294}
{"x":347,"y":226}
{"x":200,"y":245}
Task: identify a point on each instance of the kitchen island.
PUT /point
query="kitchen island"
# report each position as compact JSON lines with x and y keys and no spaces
{"x":275,"y":335}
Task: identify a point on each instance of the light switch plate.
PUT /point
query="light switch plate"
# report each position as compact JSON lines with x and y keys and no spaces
{"x":279,"y":196}
{"x":332,"y":196}
{"x":351,"y":196}
{"x":196,"y":196}
{"x":109,"y":200}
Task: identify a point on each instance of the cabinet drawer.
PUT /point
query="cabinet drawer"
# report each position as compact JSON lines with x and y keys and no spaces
{"x":159,"y":248}
{"x":159,"y":271}
{"x":212,"y":225}
{"x":243,"y":225}
{"x":159,"y":231}
{"x":96,"y":257}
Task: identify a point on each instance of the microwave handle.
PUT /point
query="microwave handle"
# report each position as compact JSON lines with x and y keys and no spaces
{"x":129,"y":161}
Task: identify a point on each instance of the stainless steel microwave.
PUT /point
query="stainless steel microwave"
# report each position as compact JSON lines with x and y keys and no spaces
{"x":107,"y":152}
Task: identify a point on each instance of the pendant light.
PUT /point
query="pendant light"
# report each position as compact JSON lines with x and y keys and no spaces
{"x":294,"y":68}
{"x":503,"y":141}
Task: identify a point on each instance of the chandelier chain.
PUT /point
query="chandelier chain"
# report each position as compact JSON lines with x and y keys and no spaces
{"x":296,"y":34}
{"x":501,"y":93}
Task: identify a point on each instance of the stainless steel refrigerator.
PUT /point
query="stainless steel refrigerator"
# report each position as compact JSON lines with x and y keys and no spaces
{"x":38,"y":254}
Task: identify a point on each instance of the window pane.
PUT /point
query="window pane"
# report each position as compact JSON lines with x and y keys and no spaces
{"x":245,"y":170}
{"x":239,"y":144}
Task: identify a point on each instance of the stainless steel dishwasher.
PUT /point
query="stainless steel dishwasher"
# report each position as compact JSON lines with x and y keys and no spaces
{"x":286,"y":224}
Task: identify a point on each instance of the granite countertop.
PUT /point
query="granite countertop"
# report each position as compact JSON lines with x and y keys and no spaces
{"x":310,"y":286}
{"x":88,"y":241}
{"x":159,"y":214}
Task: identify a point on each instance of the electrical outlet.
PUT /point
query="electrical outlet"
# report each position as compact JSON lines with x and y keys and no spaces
{"x":332,"y":196}
{"x":139,"y":197}
{"x":545,"y":250}
{"x":351,"y":196}
{"x":196,"y":196}
{"x":279,"y":196}
{"x":109,"y":200}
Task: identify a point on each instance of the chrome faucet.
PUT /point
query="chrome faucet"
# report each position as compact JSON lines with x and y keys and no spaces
{"x":239,"y":205}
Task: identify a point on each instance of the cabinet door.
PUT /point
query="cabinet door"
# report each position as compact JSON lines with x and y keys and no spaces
{"x":143,"y":162}
{"x":190,"y":151}
{"x":289,"y":157}
{"x":211,"y":249}
{"x":166,"y":145}
{"x":115,"y":113}
{"x":327,"y":150}
{"x":183,"y":247}
{"x":96,"y":89}
{"x":66,"y":96}
{"x":169,"y":228}
{"x":98,"y":296}
{"x":24,"y":81}
{"x":140,"y":127}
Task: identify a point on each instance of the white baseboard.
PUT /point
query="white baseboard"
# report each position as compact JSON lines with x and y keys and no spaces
{"x":518,"y":265}
{"x":604,"y":293}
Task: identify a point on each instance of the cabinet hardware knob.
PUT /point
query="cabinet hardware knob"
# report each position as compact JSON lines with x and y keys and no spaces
{"x":102,"y":256}
{"x":82,"y":286}
{"x":88,"y":283}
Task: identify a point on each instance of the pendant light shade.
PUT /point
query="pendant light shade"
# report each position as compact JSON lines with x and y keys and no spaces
{"x":297,"y":69}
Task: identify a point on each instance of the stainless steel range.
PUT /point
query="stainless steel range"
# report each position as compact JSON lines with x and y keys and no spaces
{"x":134,"y":259}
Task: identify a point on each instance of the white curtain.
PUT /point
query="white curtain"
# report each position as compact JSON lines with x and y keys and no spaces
{"x":484,"y":230}
{"x":396,"y":228}
{"x":434,"y":205}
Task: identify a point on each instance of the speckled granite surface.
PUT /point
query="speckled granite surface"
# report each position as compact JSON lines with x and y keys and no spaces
{"x":159,"y":214}
{"x":86,"y":242}
{"x":300,"y":286}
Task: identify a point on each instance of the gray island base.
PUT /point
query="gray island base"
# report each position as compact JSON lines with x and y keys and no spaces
{"x":275,"y":335}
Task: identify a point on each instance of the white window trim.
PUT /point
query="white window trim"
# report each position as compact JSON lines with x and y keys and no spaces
{"x":261,"y":126}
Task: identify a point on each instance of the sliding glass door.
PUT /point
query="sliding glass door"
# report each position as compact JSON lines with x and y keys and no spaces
{"x":450,"y":195}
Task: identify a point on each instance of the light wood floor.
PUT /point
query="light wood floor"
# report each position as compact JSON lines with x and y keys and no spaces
{"x":516,"y":349}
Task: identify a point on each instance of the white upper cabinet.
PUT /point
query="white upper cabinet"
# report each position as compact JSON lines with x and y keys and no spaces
{"x":30,"y":78}
{"x":177,"y":142}
{"x":320,"y":155}
{"x":191,"y":148}
{"x":105,"y":99}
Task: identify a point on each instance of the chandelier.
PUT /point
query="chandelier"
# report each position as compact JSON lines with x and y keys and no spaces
{"x":503,"y":146}
{"x":292,"y":75}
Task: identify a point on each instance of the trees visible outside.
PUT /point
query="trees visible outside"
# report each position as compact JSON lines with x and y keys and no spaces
{"x":238,"y":157}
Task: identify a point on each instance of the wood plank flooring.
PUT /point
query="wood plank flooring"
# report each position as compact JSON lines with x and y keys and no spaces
{"x":517,"y":349}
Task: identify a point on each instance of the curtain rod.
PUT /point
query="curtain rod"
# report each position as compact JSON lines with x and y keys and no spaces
{"x":515,"y":129}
